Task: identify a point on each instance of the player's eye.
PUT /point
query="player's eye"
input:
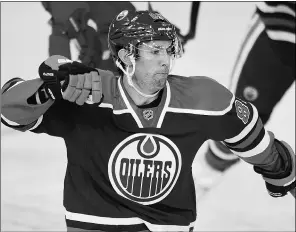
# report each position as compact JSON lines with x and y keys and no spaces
{"x":170,"y":50}
{"x":155,"y":51}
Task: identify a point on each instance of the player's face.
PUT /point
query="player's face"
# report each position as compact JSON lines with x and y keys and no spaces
{"x":152,"y":66}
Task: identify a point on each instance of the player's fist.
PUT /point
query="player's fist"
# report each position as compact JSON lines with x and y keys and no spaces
{"x":80,"y":86}
{"x":70,"y":80}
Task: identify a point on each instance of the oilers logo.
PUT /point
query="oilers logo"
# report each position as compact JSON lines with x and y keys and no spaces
{"x":144,"y":168}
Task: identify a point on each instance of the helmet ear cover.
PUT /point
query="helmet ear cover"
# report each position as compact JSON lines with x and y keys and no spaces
{"x":121,"y":58}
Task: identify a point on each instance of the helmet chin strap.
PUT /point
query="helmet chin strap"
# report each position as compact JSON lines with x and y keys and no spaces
{"x":130,"y":81}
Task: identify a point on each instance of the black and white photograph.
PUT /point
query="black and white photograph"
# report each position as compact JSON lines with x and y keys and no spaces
{"x":152,"y":116}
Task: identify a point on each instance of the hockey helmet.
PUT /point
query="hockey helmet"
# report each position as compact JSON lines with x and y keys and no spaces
{"x":130,"y":28}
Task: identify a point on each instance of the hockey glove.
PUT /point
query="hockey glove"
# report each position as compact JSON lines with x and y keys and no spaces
{"x":69,"y":80}
{"x":279,"y":184}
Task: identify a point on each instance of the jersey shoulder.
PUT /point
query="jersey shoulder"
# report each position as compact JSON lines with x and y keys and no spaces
{"x":199,"y":93}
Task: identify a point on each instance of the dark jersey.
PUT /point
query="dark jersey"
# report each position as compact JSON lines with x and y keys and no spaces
{"x":130,"y":167}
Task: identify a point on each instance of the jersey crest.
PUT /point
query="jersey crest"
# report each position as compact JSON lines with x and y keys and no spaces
{"x":144,"y":168}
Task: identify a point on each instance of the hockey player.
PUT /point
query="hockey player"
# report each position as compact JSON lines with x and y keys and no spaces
{"x":130,"y":152}
{"x":87,"y":24}
{"x":263,"y":72}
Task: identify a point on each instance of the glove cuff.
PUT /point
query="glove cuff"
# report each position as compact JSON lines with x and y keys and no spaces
{"x":279,"y":191}
{"x":51,"y":79}
{"x":288,"y":156}
{"x":279,"y":184}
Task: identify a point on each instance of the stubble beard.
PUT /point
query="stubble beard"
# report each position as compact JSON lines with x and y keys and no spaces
{"x":160,"y":80}
{"x":157,"y":83}
{"x":151,"y":85}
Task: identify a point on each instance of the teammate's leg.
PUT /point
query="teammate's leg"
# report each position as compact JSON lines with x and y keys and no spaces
{"x":217,"y":157}
{"x":261,"y":75}
{"x":267,"y":73}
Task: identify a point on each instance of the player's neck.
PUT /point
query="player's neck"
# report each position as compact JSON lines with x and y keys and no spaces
{"x":138,"y":99}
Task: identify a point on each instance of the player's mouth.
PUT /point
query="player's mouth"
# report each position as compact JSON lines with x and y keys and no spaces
{"x":162,"y":73}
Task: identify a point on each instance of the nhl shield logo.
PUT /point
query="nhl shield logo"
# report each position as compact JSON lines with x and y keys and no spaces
{"x":144,"y":168}
{"x":148,"y":114}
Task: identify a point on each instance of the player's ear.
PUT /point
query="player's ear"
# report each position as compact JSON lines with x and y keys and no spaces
{"x":124,"y":57}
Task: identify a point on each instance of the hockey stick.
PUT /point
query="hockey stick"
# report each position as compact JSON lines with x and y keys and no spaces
{"x":193,"y":20}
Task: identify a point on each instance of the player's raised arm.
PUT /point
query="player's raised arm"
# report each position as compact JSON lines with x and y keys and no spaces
{"x":248,"y":139}
{"x":62,"y":86}
{"x":23,"y":103}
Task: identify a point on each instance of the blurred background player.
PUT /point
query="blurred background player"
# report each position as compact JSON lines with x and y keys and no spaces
{"x":263,"y":72}
{"x":87,"y":24}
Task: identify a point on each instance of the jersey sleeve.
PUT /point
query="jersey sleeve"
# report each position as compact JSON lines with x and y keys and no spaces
{"x":243,"y":132}
{"x":51,"y":117}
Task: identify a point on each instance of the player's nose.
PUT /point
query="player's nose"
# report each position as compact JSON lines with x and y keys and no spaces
{"x":165,"y":61}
